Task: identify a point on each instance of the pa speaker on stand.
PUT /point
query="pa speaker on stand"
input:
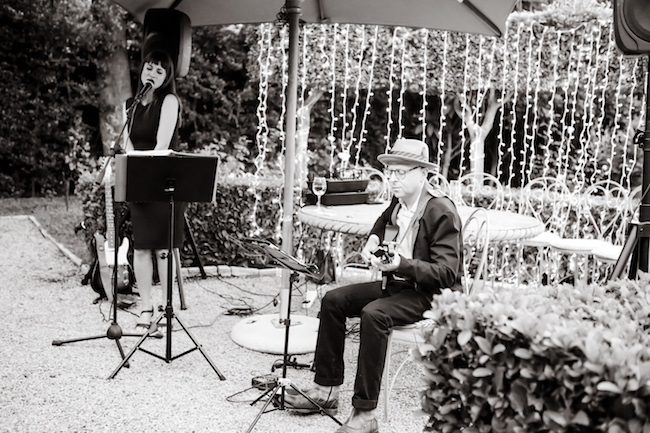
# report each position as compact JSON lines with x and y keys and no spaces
{"x":170,"y":31}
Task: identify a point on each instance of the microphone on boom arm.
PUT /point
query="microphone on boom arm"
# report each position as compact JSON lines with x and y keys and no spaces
{"x":116,"y":148}
{"x":147,"y":86}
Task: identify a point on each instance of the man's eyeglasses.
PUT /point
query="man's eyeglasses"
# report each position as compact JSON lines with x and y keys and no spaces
{"x":399,"y":174}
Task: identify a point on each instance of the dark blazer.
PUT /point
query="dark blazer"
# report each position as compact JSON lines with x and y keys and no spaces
{"x":437,"y":261}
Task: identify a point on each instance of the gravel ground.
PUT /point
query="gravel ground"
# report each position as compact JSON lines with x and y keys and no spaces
{"x":46,"y":388}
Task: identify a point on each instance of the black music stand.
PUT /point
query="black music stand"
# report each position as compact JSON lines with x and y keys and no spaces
{"x":166,"y":176}
{"x":296,"y":267}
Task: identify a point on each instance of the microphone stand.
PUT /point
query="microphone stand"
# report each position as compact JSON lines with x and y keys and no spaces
{"x":114,"y":331}
{"x":116,"y":148}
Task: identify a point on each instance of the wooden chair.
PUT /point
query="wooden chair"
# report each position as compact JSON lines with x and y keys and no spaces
{"x":476,"y":238}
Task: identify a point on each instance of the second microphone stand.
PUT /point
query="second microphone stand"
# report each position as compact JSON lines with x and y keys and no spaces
{"x":277,"y":393}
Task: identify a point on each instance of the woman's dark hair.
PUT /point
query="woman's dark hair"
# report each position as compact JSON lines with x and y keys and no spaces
{"x":161,"y":58}
{"x":169,"y":85}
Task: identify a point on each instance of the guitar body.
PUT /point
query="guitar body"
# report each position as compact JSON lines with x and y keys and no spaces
{"x":102,"y":273}
{"x":102,"y":278}
{"x":124,"y":274}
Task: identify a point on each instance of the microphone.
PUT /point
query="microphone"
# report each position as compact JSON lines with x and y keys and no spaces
{"x":147,"y":86}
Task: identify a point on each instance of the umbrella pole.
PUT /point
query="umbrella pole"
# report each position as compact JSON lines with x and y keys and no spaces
{"x":268,"y":330}
{"x":293,"y":10}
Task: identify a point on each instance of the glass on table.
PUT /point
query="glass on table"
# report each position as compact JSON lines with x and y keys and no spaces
{"x":319,"y":186}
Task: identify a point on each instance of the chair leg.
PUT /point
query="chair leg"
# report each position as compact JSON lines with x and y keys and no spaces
{"x":386,"y":375}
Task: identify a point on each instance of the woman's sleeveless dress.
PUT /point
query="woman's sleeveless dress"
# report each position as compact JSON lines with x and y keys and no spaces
{"x":150,"y":220}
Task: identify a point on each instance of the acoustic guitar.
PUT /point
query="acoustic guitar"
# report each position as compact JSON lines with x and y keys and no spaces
{"x":102,"y":280}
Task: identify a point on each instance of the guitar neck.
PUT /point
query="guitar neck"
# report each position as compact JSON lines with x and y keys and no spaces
{"x":110,"y":216}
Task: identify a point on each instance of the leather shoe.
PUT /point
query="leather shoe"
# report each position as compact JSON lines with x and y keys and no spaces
{"x":298,"y":403}
{"x":370,"y":426}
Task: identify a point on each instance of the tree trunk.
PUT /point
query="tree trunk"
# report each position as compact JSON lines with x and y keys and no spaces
{"x":302,"y":137}
{"x":478,"y":132}
{"x":115,"y":90}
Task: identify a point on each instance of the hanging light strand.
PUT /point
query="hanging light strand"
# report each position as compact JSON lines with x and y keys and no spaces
{"x":617,"y":116}
{"x":603,"y":97}
{"x":464,"y":99}
{"x":443,"y":81}
{"x":423,"y":111}
{"x":642,"y":111}
{"x":625,"y":172}
{"x":527,"y":146}
{"x":564,"y":153}
{"x":284,"y":48}
{"x":480,"y":93}
{"x":587,"y":120}
{"x":389,"y":92}
{"x":592,"y":103}
{"x":515,"y":96}
{"x":551,"y":109}
{"x":578,"y":174}
{"x":369,"y":94}
{"x":344,"y":155}
{"x":502,"y":101}
{"x":355,"y":107}
{"x":261,"y":137}
{"x":332,"y":109}
{"x":538,"y":80}
{"x":402,"y":88}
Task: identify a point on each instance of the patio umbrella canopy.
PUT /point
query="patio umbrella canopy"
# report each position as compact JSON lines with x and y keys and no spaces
{"x":468,"y":16}
{"x":476,"y":16}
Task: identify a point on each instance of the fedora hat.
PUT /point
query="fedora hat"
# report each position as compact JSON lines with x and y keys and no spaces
{"x":409,"y":152}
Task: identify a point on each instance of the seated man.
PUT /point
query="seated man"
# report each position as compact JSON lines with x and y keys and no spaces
{"x":427,"y":258}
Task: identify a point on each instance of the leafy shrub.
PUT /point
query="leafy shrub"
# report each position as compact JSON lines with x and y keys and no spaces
{"x":539,"y":359}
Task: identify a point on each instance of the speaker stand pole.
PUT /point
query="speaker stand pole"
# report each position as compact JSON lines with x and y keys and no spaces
{"x":637,"y":245}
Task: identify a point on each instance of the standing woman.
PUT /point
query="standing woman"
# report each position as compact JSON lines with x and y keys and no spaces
{"x":153,"y":126}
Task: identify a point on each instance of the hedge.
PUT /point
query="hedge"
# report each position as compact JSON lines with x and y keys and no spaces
{"x":220,"y":228}
{"x":539,"y":359}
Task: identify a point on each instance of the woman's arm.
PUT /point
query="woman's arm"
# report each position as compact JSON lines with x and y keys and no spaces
{"x":126,"y":140}
{"x":168,"y":120}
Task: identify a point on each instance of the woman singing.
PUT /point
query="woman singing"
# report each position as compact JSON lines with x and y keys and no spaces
{"x":153,"y":126}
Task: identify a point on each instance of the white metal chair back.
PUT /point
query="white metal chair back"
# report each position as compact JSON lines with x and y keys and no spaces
{"x":441,"y":182}
{"x":634,"y":201}
{"x":481,"y":190}
{"x":605,"y":212}
{"x":476,"y":240}
{"x":547,"y":199}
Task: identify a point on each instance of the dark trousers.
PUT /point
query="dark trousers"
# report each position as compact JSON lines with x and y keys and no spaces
{"x":379,"y":311}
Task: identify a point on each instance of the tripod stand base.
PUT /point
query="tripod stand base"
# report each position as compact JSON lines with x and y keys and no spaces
{"x":266,"y":334}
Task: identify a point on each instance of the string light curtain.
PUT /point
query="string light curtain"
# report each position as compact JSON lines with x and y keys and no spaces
{"x":568,"y":101}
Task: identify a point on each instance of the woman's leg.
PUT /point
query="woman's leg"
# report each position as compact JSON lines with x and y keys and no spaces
{"x":143,"y":269}
{"x":162,"y":261}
